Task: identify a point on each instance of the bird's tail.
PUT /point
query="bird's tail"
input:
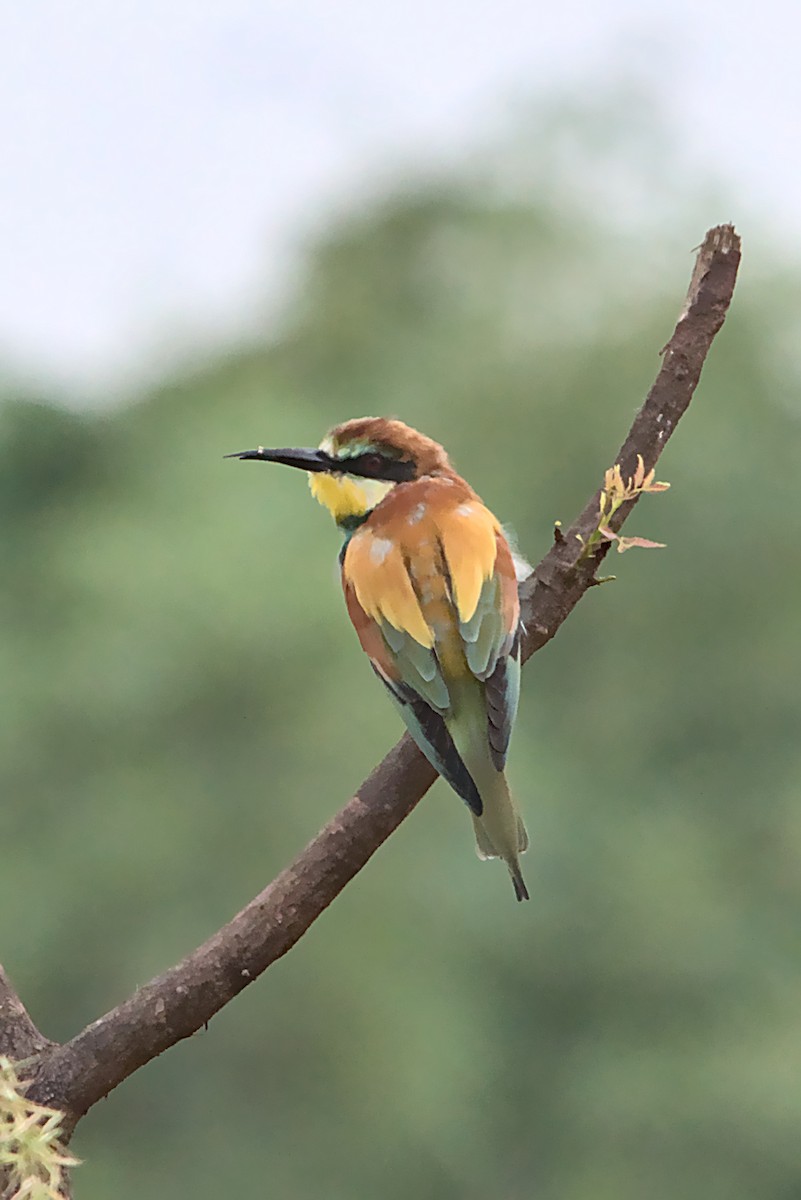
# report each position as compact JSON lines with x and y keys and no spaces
{"x":500,"y":832}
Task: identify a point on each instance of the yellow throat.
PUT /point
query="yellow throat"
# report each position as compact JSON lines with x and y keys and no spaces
{"x":345,"y":496}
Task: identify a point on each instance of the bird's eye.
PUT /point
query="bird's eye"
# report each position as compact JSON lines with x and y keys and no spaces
{"x":374,"y":463}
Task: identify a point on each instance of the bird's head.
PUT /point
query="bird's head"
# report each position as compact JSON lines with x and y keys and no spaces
{"x":359,"y":462}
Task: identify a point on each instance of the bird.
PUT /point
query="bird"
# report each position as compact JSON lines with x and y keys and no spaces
{"x":430,"y":582}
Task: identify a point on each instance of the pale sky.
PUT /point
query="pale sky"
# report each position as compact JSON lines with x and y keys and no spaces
{"x":162,"y":159}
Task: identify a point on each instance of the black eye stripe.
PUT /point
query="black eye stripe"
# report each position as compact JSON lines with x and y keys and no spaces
{"x":376,"y":466}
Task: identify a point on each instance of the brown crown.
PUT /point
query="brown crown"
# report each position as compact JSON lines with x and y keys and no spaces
{"x":429,"y":457}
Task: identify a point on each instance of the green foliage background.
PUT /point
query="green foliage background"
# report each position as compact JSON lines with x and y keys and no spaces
{"x":185,"y":705}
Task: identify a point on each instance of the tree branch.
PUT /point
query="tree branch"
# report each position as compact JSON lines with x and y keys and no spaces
{"x":176,"y":1004}
{"x":560,"y":580}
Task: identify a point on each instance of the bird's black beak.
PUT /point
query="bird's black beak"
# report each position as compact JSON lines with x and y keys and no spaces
{"x":307,"y":460}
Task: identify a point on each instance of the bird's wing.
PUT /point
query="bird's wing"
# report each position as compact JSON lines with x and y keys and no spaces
{"x":433,"y":601}
{"x":415,"y":684}
{"x":492,"y":648}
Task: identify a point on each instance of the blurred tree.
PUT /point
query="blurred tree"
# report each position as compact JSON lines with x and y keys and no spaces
{"x":164,"y":622}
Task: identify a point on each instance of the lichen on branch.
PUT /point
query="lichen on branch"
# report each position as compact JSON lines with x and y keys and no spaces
{"x":33,"y":1161}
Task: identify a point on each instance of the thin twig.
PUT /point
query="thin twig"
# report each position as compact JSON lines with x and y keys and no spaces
{"x":562,"y":577}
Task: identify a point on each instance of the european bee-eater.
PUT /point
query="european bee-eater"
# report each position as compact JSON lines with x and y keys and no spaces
{"x":430,"y":583}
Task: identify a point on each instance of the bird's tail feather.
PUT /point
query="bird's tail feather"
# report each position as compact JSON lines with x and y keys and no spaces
{"x":500,"y":832}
